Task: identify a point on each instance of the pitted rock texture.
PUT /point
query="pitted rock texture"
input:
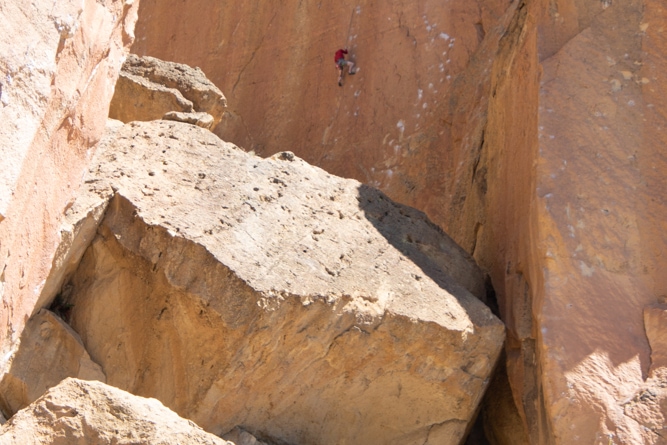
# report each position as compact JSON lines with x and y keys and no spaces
{"x":92,"y":413}
{"x":305,"y":307}
{"x":58,"y":65}
{"x":50,"y":351}
{"x":149,"y":88}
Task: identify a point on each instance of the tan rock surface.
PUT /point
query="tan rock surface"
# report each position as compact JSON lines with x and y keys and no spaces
{"x":396,"y":125}
{"x":81,"y":412}
{"x":270,"y":294}
{"x":50,"y":352}
{"x":199,"y":119}
{"x":556,"y":185}
{"x":570,"y":225}
{"x":58,"y":65}
{"x":149,"y":88}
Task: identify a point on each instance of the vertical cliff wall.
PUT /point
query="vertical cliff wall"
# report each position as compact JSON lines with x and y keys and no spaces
{"x":601,"y":194}
{"x":58,"y":66}
{"x":532,"y":131}
{"x":391,"y":125}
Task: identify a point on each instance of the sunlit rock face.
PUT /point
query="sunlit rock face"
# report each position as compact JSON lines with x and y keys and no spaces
{"x":58,"y":65}
{"x":329,"y":313}
{"x":542,"y":157}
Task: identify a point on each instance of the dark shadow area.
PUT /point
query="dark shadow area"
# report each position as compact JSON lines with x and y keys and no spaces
{"x":490,"y":298}
{"x":477,"y":435}
{"x":424,"y":243}
{"x":499,"y":415}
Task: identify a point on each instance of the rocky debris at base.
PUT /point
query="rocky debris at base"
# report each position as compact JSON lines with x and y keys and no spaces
{"x":150,"y":88}
{"x":92,"y":413}
{"x":241,"y":437}
{"x":50,"y":351}
{"x":294,"y":302}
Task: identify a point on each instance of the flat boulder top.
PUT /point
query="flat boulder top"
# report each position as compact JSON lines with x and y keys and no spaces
{"x":289,"y":228}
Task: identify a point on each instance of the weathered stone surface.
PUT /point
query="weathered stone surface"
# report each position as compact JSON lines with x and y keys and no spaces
{"x":601,"y":212}
{"x":58,"y":65}
{"x":655,"y":325}
{"x":50,"y":352}
{"x":203,"y":120}
{"x":149,"y":88}
{"x":139,"y":99}
{"x":496,"y":220}
{"x":77,"y":230}
{"x":500,"y":417}
{"x":648,"y":407}
{"x":555,"y":185}
{"x":305,"y":307}
{"x":81,"y":412}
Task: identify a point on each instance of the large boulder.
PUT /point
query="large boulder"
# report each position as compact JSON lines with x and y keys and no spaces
{"x":58,"y":65}
{"x":50,"y":352}
{"x":150,"y":88}
{"x":266,"y":293}
{"x":92,"y":413}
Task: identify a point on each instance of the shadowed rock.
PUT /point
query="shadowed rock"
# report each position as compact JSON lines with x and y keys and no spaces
{"x":50,"y":351}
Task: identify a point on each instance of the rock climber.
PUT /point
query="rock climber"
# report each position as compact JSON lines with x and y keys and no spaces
{"x":341,"y":63}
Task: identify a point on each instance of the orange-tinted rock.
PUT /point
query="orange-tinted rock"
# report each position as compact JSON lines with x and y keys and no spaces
{"x":655,"y":324}
{"x":601,"y":213}
{"x":393,"y":125}
{"x":58,"y":65}
{"x":555,"y":184}
{"x":199,"y":119}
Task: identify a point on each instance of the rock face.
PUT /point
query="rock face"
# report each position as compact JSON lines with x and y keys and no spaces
{"x":530,"y":130}
{"x":80,"y":412}
{"x":542,"y":158}
{"x":149,"y":88}
{"x":269,"y":294}
{"x":58,"y":65}
{"x":394,"y":125}
{"x":50,"y":352}
{"x":600,"y":210}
